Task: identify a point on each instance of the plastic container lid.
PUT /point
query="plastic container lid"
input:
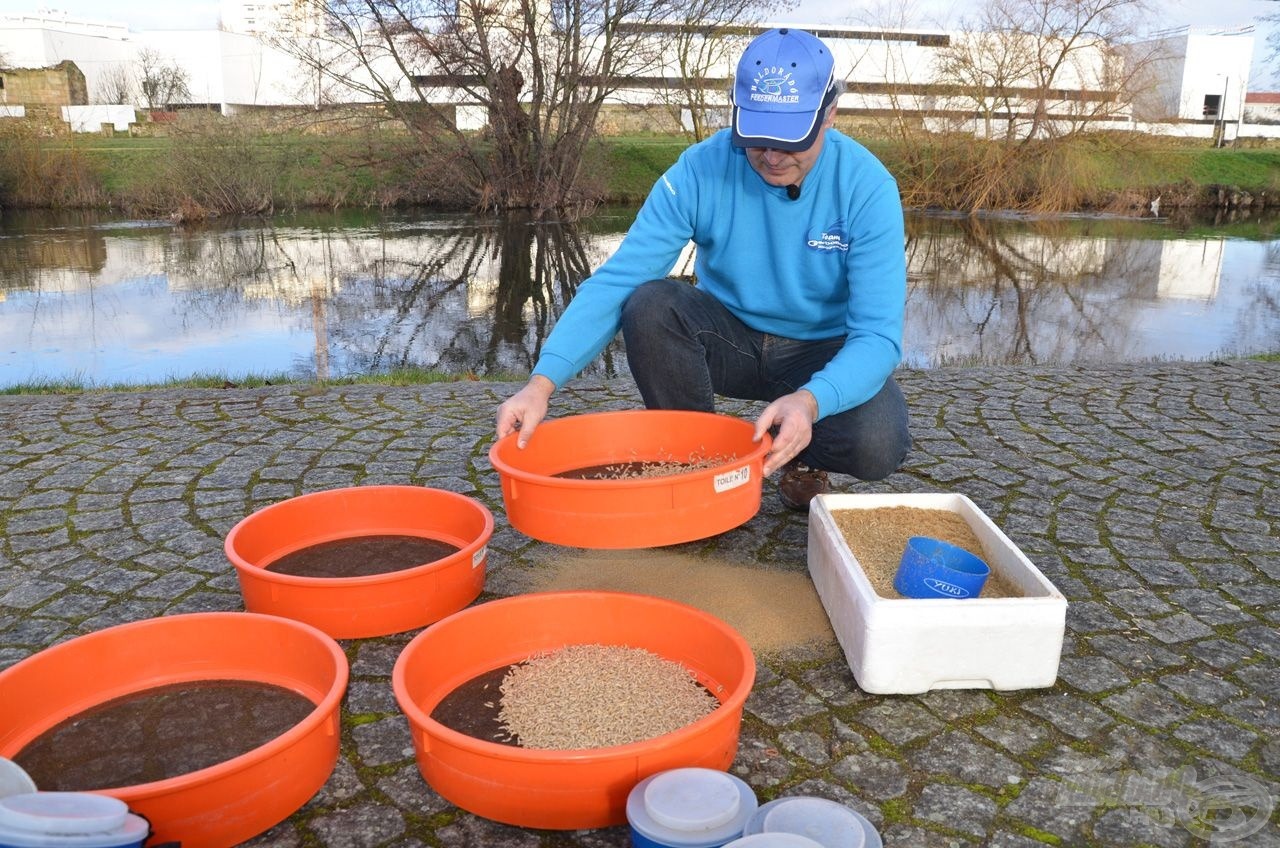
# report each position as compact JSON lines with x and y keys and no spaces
{"x":830,"y":824}
{"x":62,"y":812}
{"x":690,"y":807}
{"x":13,"y":780}
{"x":51,"y":819}
{"x":774,"y":840}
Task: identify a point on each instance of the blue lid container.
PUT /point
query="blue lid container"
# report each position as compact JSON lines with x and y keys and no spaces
{"x":689,"y":808}
{"x":830,"y":824}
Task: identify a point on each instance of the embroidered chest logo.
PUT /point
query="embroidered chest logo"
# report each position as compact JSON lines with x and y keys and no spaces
{"x":774,"y":85}
{"x":830,"y":237}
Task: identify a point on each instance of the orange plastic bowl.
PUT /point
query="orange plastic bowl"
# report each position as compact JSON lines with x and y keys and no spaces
{"x":236,"y":799}
{"x":633,"y":512}
{"x":369,"y":605}
{"x":584,"y":788}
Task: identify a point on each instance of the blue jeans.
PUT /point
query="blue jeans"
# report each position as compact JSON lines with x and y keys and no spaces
{"x":684,"y":347}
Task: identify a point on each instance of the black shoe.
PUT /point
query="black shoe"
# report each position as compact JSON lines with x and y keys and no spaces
{"x":799,"y":484}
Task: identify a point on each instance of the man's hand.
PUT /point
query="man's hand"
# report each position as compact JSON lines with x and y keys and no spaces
{"x":793,"y":415}
{"x":525,"y":409}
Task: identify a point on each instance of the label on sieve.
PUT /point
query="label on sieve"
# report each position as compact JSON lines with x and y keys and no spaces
{"x":732,"y":479}
{"x":479,"y":555}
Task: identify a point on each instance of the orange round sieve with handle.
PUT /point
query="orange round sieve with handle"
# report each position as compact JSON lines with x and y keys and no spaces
{"x":374,"y":604}
{"x":234,"y":800}
{"x":570,"y":789}
{"x":720,"y":491}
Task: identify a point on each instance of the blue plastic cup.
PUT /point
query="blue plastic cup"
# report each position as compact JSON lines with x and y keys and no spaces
{"x":932,"y":568}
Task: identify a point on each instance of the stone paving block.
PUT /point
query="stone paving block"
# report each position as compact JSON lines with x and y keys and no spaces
{"x":1127,"y":826}
{"x":412,"y":793}
{"x":1092,"y":674}
{"x":1218,"y":737}
{"x":806,"y":744}
{"x":760,"y":758}
{"x":1257,"y":712}
{"x":358,"y":826}
{"x":1014,"y":734}
{"x":1264,"y":640}
{"x":871,"y":774}
{"x":35,"y":632}
{"x":1262,"y":678}
{"x":834,"y":683}
{"x":900,"y":721}
{"x":1070,"y":763}
{"x":1147,"y":703}
{"x":1220,"y":653}
{"x":1136,"y":653}
{"x":1200,"y":687}
{"x":956,"y":807}
{"x":958,"y":755}
{"x":383,"y":742}
{"x":1075,"y":717}
{"x":31,"y":593}
{"x":1052,"y":806}
{"x":1179,"y":627}
{"x":342,"y":786}
{"x":832,"y":792}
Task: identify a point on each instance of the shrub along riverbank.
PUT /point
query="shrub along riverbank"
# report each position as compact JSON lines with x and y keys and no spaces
{"x":213,"y":167}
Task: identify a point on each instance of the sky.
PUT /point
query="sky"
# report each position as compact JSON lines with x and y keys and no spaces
{"x":195,"y":14}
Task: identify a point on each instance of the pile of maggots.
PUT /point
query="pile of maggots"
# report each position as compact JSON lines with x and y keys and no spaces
{"x":596,"y":696}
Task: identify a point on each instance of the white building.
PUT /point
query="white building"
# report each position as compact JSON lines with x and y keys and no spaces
{"x":267,"y":17}
{"x":1201,"y":75}
{"x":890,"y":72}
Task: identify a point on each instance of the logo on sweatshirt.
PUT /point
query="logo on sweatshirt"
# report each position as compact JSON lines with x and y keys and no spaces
{"x":830,"y":237}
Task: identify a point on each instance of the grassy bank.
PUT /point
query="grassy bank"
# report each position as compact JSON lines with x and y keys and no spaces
{"x":401,"y":377}
{"x":224,"y":168}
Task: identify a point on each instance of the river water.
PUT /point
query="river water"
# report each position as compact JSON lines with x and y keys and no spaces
{"x":103,"y":301}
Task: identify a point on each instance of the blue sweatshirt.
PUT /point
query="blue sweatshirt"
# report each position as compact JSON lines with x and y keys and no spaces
{"x":830,"y":263}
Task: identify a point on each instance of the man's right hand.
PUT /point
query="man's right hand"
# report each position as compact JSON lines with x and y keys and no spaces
{"x":525,"y":409}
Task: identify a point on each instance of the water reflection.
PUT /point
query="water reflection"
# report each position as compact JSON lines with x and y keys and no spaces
{"x":351,"y":293}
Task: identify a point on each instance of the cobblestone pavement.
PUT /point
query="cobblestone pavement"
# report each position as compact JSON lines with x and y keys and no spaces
{"x":1147,"y":494}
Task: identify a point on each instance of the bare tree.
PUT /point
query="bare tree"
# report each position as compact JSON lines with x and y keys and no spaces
{"x":1272,"y":42}
{"x":115,"y":85}
{"x":1008,"y":109}
{"x":1048,"y":67}
{"x":161,"y":80}
{"x":539,"y":71}
{"x":707,"y":38}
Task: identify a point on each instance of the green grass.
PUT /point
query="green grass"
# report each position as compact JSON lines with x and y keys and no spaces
{"x":633,"y":164}
{"x":362,"y":169}
{"x":399,"y":377}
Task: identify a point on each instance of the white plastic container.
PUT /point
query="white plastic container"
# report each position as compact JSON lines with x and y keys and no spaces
{"x":68,"y":820}
{"x":13,"y":780}
{"x":774,"y":840}
{"x":688,"y":808}
{"x":830,"y":824}
{"x":908,"y":646}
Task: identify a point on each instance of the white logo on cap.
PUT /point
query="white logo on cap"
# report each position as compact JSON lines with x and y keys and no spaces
{"x":774,"y":85}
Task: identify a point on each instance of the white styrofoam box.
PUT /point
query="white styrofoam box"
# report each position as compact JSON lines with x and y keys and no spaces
{"x":907,"y":645}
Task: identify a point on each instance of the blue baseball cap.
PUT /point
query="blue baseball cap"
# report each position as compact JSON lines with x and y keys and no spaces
{"x":785,"y":81}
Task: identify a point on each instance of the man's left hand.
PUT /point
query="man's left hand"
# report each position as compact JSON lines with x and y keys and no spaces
{"x":793,"y":415}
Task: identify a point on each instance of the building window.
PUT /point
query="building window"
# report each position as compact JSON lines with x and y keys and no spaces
{"x":1212,"y":102}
